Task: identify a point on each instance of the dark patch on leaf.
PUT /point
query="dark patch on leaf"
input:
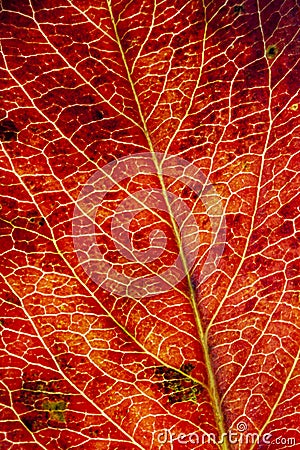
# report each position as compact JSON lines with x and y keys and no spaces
{"x":238,"y":9}
{"x":272,"y":51}
{"x":187,"y":368}
{"x":110,"y":125}
{"x":178,"y":387}
{"x":194,"y":286}
{"x":251,"y":303}
{"x":64,"y":362}
{"x":88,"y":99}
{"x":95,"y":53}
{"x":159,"y":370}
{"x":94,"y":432}
{"x":33,"y":386}
{"x":44,"y":403}
{"x":98,"y":114}
{"x":286,"y":229}
{"x":291,"y":209}
{"x":11,"y":298}
{"x":8,"y":131}
{"x":35,"y":421}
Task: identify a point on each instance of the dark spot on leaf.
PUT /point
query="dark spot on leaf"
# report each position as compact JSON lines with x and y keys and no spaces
{"x":34,"y":129}
{"x":88,"y":99}
{"x":64,"y":362}
{"x":194,"y":195}
{"x":250,"y":304}
{"x":291,"y":209}
{"x":286,"y":229}
{"x":174,"y":398}
{"x":110,"y":125}
{"x":178,"y":387}
{"x":98,"y":115}
{"x":159,"y":370}
{"x":187,"y":368}
{"x":8,"y":131}
{"x":194,"y":285}
{"x":93,"y":432}
{"x":238,"y":9}
{"x":95,"y":53}
{"x":35,"y":421}
{"x":11,"y":298}
{"x":44,"y":401}
{"x":39,"y":220}
{"x":271,"y":51}
{"x":33,"y":386}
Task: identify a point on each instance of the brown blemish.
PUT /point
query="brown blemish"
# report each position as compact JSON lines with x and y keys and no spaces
{"x":178,"y":387}
{"x":8,"y":131}
{"x":43,"y":404}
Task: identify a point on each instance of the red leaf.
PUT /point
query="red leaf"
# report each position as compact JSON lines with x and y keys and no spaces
{"x":149,"y":224}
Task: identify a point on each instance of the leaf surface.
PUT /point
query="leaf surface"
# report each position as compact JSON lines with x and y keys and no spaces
{"x":208,"y":94}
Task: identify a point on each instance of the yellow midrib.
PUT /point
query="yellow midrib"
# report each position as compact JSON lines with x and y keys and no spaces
{"x":212,"y":385}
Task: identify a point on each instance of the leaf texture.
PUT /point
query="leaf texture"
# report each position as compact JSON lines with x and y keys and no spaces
{"x":209,"y":92}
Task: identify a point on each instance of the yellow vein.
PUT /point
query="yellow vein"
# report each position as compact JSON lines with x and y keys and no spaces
{"x":212,"y":386}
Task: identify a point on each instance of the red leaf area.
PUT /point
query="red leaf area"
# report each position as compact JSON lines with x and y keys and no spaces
{"x":83,"y":84}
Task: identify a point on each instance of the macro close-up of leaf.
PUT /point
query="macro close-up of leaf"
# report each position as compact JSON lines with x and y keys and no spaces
{"x":150,"y":224}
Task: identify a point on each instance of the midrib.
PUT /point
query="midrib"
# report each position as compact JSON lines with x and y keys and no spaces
{"x":212,"y":384}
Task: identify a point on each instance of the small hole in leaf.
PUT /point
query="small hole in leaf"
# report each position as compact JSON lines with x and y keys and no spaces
{"x":272,"y":51}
